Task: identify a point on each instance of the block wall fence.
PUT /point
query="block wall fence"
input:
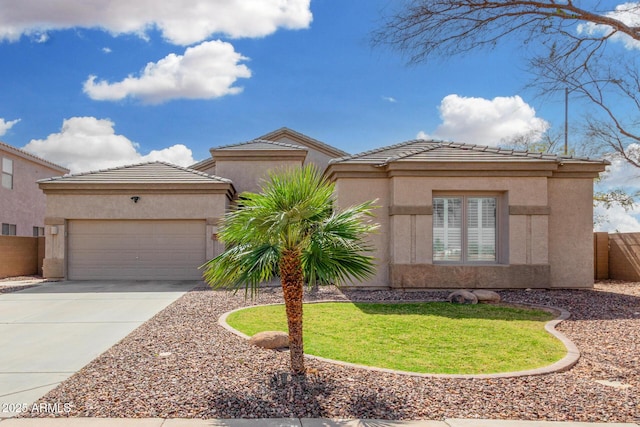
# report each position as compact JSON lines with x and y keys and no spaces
{"x":617,"y":256}
{"x":21,"y":256}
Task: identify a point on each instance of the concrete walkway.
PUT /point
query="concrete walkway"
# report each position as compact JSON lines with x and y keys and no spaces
{"x":285,"y":422}
{"x":49,"y":332}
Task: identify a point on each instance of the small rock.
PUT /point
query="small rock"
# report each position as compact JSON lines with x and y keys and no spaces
{"x":486,"y":296}
{"x":270,"y":339}
{"x":462,"y":297}
{"x":615,"y":384}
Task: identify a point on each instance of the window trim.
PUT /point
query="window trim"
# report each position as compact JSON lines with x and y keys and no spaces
{"x":499,"y":227}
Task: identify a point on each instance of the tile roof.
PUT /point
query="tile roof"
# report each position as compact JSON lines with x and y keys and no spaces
{"x":261,"y":144}
{"x":21,"y":153}
{"x":143,"y":173}
{"x":286,"y":132}
{"x":439,"y":151}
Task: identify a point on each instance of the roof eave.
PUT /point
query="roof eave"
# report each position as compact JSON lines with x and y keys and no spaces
{"x":247,"y":155}
{"x":30,"y":157}
{"x":52,"y":186}
{"x":317,"y":145}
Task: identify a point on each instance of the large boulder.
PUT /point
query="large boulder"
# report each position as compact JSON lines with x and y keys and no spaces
{"x":486,"y":296}
{"x":462,"y":297}
{"x":270,"y":339}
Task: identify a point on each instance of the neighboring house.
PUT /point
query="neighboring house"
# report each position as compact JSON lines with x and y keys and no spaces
{"x":22,"y":203}
{"x":451,"y":215}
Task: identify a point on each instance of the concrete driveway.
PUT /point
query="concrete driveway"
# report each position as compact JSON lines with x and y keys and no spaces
{"x":49,"y":332}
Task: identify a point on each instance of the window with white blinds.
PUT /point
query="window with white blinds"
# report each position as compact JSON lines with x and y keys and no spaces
{"x":464,"y":229}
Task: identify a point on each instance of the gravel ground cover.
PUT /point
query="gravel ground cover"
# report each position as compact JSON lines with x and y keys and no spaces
{"x":181,"y":363}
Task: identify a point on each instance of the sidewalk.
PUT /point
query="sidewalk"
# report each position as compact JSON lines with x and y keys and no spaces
{"x":286,"y":422}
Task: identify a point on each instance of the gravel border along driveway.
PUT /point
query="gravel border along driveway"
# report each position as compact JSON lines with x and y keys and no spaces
{"x":181,"y":363}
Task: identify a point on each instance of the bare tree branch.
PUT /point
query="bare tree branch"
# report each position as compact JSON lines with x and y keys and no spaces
{"x":574,"y":36}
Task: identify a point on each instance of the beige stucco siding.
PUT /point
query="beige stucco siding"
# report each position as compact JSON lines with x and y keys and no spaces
{"x":248,"y":175}
{"x":571,"y":225}
{"x":321,"y":160}
{"x":149,"y":206}
{"x":523,"y":238}
{"x":358,"y":190}
{"x":412,"y":191}
{"x":528,"y":239}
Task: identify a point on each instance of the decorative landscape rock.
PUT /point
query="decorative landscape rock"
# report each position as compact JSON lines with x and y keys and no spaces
{"x":270,"y":339}
{"x":213,"y":374}
{"x":486,"y":296}
{"x":462,"y":297}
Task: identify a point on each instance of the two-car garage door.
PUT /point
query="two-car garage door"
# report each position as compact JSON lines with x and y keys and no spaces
{"x":135,"y":250}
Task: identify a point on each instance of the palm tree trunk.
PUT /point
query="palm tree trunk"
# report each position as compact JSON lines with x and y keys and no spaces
{"x":292,"y":280}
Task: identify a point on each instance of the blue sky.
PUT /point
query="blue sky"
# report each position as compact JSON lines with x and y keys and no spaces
{"x":119,"y":82}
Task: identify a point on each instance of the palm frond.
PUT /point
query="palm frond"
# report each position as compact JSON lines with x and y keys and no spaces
{"x":294,"y":211}
{"x":337,"y":251}
{"x":243,"y":266}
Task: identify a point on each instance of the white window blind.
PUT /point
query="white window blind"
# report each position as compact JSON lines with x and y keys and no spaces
{"x":481,"y":229}
{"x":464,"y":229}
{"x":447,"y":229}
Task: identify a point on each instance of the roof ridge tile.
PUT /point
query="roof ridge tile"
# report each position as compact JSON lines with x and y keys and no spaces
{"x":265,"y":141}
{"x":33,"y":156}
{"x":69,"y":177}
{"x":381,"y":149}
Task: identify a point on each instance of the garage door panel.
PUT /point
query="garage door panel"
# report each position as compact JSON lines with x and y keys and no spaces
{"x":142,"y":250}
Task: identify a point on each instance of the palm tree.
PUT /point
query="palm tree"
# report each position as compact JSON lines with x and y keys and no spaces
{"x":292,"y":230}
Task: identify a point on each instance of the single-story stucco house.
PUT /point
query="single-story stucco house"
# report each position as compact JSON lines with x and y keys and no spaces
{"x":451,"y":215}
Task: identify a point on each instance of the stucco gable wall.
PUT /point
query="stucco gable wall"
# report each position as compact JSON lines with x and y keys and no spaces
{"x":248,"y":175}
{"x":321,"y":160}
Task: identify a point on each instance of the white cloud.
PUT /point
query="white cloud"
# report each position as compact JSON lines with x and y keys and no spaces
{"x":182,"y":22}
{"x":616,"y":219}
{"x":6,"y":125}
{"x":205,"y":71}
{"x":40,"y":38}
{"x":627,"y":13}
{"x":88,"y":143}
{"x":619,"y":175}
{"x":106,"y":49}
{"x":390,"y":99}
{"x":485,"y":122}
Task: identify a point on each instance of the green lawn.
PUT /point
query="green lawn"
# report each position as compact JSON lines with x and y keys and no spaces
{"x":433,"y":337}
